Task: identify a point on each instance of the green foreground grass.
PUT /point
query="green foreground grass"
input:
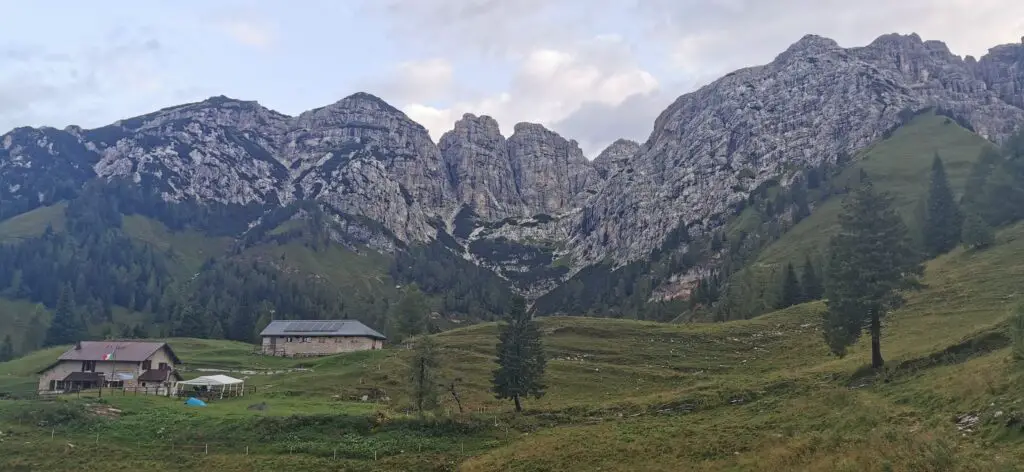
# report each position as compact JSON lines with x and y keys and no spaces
{"x":760,"y":394}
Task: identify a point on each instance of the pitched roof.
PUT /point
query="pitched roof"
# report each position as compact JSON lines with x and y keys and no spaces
{"x":124,"y":351}
{"x":319,"y":328}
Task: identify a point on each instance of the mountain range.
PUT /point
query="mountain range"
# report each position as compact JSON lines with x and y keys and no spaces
{"x":529,"y":207}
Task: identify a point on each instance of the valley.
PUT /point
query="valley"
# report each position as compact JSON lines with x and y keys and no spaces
{"x":683,"y":286}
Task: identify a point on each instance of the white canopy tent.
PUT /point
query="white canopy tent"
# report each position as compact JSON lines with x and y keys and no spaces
{"x":214,"y":383}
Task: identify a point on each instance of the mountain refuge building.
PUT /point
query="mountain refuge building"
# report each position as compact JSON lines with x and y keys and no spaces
{"x":138,"y":365}
{"x":318,"y":338}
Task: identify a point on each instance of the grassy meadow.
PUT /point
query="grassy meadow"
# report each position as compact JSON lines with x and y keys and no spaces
{"x":761,"y":394}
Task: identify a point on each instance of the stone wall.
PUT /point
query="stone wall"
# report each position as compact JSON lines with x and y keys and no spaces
{"x":317,"y":345}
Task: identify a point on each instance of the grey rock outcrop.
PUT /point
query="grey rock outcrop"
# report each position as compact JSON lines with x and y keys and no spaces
{"x":216,"y":150}
{"x":814,"y":102}
{"x":550,"y":172}
{"x":534,"y":171}
{"x":615,"y":157}
{"x":476,"y":156}
{"x":364,"y":157}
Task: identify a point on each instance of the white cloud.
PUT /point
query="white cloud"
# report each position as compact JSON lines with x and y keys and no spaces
{"x":549,"y":85}
{"x":427,"y":80}
{"x":248,"y":32}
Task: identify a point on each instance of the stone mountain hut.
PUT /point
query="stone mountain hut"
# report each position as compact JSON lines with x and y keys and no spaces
{"x":318,"y":338}
{"x":146,"y":366}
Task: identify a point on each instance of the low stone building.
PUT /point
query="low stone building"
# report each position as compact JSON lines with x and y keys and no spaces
{"x":148,"y":367}
{"x":318,"y":338}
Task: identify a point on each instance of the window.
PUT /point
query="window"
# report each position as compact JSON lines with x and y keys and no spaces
{"x":53,"y":385}
{"x":322,"y":339}
{"x":146,"y":365}
{"x":308,"y":340}
{"x":88,"y":366}
{"x":164,"y":366}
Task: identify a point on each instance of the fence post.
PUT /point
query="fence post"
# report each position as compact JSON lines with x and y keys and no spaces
{"x":335,"y":453}
{"x":53,"y":431}
{"x":247,"y":450}
{"x":206,"y":449}
{"x":374,"y":454}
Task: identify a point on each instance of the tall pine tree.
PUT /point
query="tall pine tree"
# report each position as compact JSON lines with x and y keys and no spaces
{"x":791,"y":293}
{"x":423,"y":374}
{"x":977,"y":234}
{"x":521,"y":360}
{"x":67,"y":326}
{"x":811,"y":282}
{"x":942,"y":220}
{"x":871,"y":260}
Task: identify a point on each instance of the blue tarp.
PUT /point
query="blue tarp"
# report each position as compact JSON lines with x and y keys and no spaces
{"x":193,"y":401}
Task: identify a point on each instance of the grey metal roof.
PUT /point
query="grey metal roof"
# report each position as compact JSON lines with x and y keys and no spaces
{"x":123,"y":351}
{"x":319,"y":328}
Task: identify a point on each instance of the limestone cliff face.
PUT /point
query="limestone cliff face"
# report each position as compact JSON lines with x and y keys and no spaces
{"x":364,"y":157}
{"x":815,"y":101}
{"x":534,"y":171}
{"x":615,"y":157}
{"x":476,"y":156}
{"x":383,"y":176}
{"x":551,"y":173}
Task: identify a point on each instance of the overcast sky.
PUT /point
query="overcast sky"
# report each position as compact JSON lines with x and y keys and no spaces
{"x":594,"y":70}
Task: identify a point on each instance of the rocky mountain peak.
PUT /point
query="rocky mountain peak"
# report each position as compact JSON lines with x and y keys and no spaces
{"x":815,"y":102}
{"x":476,"y":156}
{"x":809,"y":45}
{"x":615,"y":157}
{"x":552,"y":174}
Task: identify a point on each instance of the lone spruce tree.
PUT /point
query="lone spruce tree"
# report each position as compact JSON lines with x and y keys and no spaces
{"x":67,"y":326}
{"x":423,"y":374}
{"x":942,"y":220}
{"x":977,"y":234}
{"x":871,"y":260}
{"x":791,"y":291}
{"x":521,"y":361}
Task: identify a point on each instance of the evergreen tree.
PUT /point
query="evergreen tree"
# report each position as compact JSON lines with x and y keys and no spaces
{"x":6,"y":349}
{"x":423,"y":374}
{"x":977,"y":234}
{"x":811,"y":283}
{"x":942,"y":216}
{"x":791,"y":293}
{"x":66,"y":326}
{"x":191,"y":323}
{"x":520,"y":358}
{"x":871,"y":260}
{"x":410,"y":314}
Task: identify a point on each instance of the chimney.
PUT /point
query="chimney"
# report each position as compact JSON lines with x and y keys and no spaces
{"x":78,"y":346}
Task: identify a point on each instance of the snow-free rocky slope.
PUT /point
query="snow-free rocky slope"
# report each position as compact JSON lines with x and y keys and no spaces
{"x":518,"y":203}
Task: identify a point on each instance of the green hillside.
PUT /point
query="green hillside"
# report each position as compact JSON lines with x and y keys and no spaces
{"x":760,"y":394}
{"x":32,"y":223}
{"x":899,"y":165}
